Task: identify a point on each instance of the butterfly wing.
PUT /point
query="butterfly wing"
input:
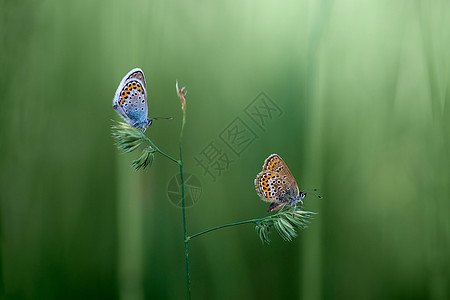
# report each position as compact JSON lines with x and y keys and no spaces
{"x":136,"y":73}
{"x":274,"y":206}
{"x":130,"y":100}
{"x":276,"y":184}
{"x":268,"y":186}
{"x":274,"y":163}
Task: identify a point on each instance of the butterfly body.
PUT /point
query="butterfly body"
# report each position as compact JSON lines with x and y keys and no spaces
{"x":130,"y":100}
{"x":276,"y":184}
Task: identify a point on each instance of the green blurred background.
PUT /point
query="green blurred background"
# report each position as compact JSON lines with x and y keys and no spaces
{"x":364,"y":87}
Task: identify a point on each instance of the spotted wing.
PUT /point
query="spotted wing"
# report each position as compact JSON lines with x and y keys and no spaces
{"x":130,"y":102}
{"x":274,"y":163}
{"x":268,"y":186}
{"x":136,"y":73}
{"x":273,"y":187}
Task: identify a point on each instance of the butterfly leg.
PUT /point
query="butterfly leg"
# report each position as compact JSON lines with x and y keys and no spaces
{"x":295,"y":206}
{"x":282,"y":207}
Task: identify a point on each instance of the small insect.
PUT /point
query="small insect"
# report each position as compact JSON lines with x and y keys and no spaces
{"x":130,"y":100}
{"x":276,"y":184}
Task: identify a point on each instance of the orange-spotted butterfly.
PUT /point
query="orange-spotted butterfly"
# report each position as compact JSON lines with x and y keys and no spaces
{"x":276,"y":184}
{"x":130,"y":100}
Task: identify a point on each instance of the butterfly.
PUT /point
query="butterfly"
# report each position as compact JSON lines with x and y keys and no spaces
{"x":276,"y":184}
{"x":130,"y":100}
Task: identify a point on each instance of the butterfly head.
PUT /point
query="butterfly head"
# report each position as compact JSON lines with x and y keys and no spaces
{"x":298,"y":199}
{"x":146,"y":124}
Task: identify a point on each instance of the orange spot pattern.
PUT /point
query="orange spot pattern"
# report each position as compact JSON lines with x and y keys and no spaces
{"x":272,"y":163}
{"x":265,"y":184}
{"x":127,"y":90}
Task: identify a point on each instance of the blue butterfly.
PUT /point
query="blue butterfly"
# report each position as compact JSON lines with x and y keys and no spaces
{"x":130,"y":100}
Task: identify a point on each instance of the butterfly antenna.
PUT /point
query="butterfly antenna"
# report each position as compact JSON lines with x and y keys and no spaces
{"x":160,"y":118}
{"x":318,"y":196}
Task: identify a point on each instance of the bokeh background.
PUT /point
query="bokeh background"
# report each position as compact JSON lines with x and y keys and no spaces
{"x":364,"y":91}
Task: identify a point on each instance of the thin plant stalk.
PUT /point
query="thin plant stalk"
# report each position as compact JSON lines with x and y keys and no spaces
{"x":223,"y":226}
{"x":160,"y":151}
{"x":285,"y":221}
{"x":186,"y":241}
{"x":181,"y":94}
